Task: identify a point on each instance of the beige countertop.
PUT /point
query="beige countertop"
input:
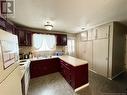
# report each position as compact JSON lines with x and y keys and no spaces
{"x":69,"y":59}
{"x":73,"y":60}
{"x":42,"y":58}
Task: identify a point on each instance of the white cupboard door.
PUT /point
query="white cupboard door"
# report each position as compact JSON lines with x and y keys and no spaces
{"x":100,"y":56}
{"x":89,"y":55}
{"x":102,"y":32}
{"x":94,"y":34}
{"x":90,"y":34}
{"x":84,"y":36}
{"x":12,"y":84}
{"x":82,"y":50}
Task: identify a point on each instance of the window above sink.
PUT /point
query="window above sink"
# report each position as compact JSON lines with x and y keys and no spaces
{"x":43,"y":42}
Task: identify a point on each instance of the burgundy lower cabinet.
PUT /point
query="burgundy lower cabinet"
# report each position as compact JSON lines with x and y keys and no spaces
{"x":43,"y":67}
{"x":65,"y":71}
{"x":75,"y":76}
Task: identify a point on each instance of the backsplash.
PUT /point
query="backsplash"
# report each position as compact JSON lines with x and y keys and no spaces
{"x":27,"y":50}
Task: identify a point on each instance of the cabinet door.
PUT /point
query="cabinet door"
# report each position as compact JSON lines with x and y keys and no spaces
{"x":64,"y":39}
{"x":38,"y":68}
{"x":100,"y":56}
{"x":82,"y":50}
{"x":94,"y":34}
{"x":58,"y":38}
{"x":61,"y":39}
{"x":15,"y":30}
{"x":22,"y":39}
{"x":102,"y":31}
{"x":90,"y":33}
{"x":66,"y":71}
{"x":44,"y":67}
{"x":9,"y":27}
{"x":2,"y":23}
{"x":89,"y":54}
{"x":28,"y":37}
{"x":84,"y":36}
{"x":53,"y":65}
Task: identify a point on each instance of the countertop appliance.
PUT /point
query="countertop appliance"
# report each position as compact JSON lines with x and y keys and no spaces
{"x":59,"y":53}
{"x":10,"y":79}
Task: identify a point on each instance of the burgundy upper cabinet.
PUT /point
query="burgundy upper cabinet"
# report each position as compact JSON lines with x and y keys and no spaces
{"x":28,"y":38}
{"x":61,"y":39}
{"x":2,"y":23}
{"x":9,"y":27}
{"x":5,"y":25}
{"x":24,"y":37}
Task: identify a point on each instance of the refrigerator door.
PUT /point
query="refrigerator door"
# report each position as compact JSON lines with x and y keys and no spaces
{"x":10,"y":79}
{"x":12,"y":84}
{"x":9,"y":53}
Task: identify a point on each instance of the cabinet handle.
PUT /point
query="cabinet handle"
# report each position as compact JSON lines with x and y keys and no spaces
{"x":106,"y":60}
{"x":106,"y":35}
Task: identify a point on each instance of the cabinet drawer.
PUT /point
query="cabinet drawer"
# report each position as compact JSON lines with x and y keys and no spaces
{"x":65,"y":64}
{"x":65,"y":69}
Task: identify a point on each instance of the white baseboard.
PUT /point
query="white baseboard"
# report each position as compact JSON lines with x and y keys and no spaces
{"x":92,"y":70}
{"x":81,"y":87}
{"x":111,"y":78}
{"x":116,"y":75}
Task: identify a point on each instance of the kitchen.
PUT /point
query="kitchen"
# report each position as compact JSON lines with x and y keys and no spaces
{"x":41,"y":55}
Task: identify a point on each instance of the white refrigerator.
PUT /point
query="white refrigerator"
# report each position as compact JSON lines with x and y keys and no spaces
{"x":10,"y":79}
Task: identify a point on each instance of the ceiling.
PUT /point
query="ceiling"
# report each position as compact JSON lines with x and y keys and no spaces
{"x":69,"y":15}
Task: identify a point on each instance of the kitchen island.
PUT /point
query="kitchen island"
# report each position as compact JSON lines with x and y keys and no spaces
{"x":75,"y":71}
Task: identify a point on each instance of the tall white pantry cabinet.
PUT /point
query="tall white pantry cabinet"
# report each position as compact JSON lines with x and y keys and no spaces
{"x":104,"y":48}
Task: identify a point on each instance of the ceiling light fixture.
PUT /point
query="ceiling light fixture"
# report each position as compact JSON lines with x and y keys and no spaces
{"x":83,"y":28}
{"x":48,"y":26}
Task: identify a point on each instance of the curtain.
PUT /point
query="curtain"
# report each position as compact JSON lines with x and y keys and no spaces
{"x":42,"y":42}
